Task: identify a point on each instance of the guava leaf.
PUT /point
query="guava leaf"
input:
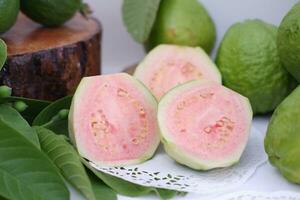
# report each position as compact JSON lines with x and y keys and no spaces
{"x":65,"y":157}
{"x":26,"y":172}
{"x":13,"y":119}
{"x":120,"y":186}
{"x":35,"y":106}
{"x":165,"y":194}
{"x":139,"y":17}
{"x":46,"y":115}
{"x":101,"y":190}
{"x":59,"y":127}
{"x":3,"y":53}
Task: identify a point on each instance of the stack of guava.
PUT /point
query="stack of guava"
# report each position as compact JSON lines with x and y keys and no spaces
{"x":115,"y":120}
{"x":263,"y":63}
{"x":202,"y":124}
{"x":249,"y":61}
{"x":282,"y":142}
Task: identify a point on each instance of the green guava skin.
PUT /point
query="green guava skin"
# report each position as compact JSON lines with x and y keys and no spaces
{"x":249,"y":63}
{"x":289,"y":41}
{"x":282,"y":141}
{"x":50,"y":12}
{"x":183,"y":22}
{"x":9,"y":10}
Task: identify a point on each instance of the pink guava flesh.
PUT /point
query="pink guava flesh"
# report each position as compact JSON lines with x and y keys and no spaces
{"x":113,"y":120}
{"x":169,"y":65}
{"x":206,"y":122}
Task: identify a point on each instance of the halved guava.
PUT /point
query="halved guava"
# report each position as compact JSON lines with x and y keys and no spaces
{"x":112,"y":120}
{"x":166,"y":66}
{"x":204,"y":125}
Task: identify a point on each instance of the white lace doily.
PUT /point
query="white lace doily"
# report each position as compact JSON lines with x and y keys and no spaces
{"x":162,"y":172}
{"x":249,"y":195}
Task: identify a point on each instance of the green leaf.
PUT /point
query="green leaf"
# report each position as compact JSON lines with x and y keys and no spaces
{"x":13,"y":119}
{"x":52,"y":110}
{"x":119,"y":185}
{"x":139,"y":17}
{"x":3,"y":53}
{"x":165,"y":194}
{"x":26,"y":172}
{"x":101,"y":190}
{"x":34,"y":106}
{"x":45,"y":118}
{"x":58,"y":126}
{"x":66,"y":159}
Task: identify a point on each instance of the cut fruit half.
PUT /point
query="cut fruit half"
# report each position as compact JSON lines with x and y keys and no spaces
{"x":112,"y":120}
{"x":204,"y":125}
{"x":166,"y":66}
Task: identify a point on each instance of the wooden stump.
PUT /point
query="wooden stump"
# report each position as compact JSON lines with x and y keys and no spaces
{"x":48,"y":63}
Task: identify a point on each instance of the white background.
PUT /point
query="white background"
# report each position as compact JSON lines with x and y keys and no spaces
{"x":119,"y":51}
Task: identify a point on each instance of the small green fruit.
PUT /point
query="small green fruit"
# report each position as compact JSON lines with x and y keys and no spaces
{"x":20,"y":106}
{"x":51,"y":13}
{"x":183,"y":22}
{"x":3,"y":53}
{"x":289,"y":41}
{"x":249,"y":63}
{"x":63,"y":114}
{"x":282,"y":142}
{"x":5,"y":91}
{"x":9,"y":10}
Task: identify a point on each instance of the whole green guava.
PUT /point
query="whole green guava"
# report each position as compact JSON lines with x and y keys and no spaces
{"x":282,"y":142}
{"x":9,"y":10}
{"x":182,"y":22}
{"x":249,"y":63}
{"x":289,"y":41}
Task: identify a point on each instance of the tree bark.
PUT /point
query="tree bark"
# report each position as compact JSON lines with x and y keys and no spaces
{"x":48,"y":63}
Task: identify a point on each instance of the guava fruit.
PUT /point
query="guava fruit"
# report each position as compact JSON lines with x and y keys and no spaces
{"x":169,"y":65}
{"x":112,"y":120}
{"x":9,"y":10}
{"x":51,"y":13}
{"x":249,"y":63}
{"x":282,"y":141}
{"x":183,"y":23}
{"x":289,"y":41}
{"x":3,"y":53}
{"x":204,"y":125}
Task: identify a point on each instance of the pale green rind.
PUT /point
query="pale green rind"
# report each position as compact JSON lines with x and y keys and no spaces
{"x":79,"y":94}
{"x":140,"y":69}
{"x":249,"y":63}
{"x":178,"y":153}
{"x":3,"y":53}
{"x":282,"y":141}
{"x":288,"y":41}
{"x":184,"y":23}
